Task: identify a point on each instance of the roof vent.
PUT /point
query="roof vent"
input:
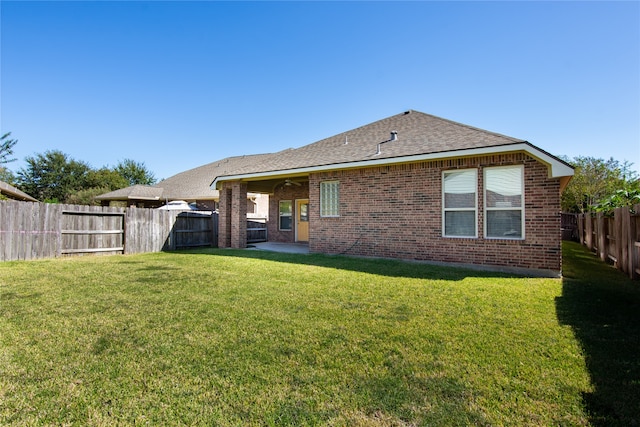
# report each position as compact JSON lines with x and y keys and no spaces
{"x":394,"y":137}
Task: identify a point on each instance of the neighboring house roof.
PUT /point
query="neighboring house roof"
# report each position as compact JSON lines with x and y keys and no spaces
{"x":195,"y":184}
{"x":190,"y":185}
{"x":135,"y":192}
{"x":420,"y":137}
{"x":13,"y":193}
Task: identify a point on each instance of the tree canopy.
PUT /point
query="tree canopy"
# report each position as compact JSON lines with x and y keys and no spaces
{"x":57,"y":178}
{"x":600,"y":185}
{"x":52,"y":176}
{"x":6,"y":148}
{"x":136,"y":173}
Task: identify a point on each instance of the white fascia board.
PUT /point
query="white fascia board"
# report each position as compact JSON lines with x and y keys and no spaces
{"x":142,"y":198}
{"x":556,"y":167}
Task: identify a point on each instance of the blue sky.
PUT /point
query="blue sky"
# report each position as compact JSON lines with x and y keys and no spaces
{"x":180,"y":84}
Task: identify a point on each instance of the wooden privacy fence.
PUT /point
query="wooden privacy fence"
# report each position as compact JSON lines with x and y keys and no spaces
{"x":39,"y":230}
{"x":614,"y":238}
{"x":256,"y":230}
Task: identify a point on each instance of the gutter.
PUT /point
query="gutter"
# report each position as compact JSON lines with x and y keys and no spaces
{"x":557,"y":168}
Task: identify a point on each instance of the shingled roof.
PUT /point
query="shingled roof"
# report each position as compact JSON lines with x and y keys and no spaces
{"x":13,"y":193}
{"x":193,"y":184}
{"x":135,"y":192}
{"x":416,"y":134}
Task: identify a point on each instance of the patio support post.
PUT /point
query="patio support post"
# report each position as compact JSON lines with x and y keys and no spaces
{"x":224,"y":217}
{"x":238,"y":214}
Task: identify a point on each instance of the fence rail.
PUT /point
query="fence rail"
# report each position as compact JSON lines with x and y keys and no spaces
{"x":615,"y":239}
{"x":40,"y":230}
{"x":256,"y":230}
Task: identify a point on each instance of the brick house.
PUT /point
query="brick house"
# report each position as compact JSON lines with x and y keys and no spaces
{"x":411,"y":186}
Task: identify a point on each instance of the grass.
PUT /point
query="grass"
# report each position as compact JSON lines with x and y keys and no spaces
{"x":224,"y":337}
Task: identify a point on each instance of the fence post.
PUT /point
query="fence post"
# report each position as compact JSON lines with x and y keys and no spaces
{"x":622,"y":217}
{"x":588,"y":231}
{"x":581,"y":228}
{"x":214,"y":226}
{"x":634,"y":242}
{"x":601,"y":236}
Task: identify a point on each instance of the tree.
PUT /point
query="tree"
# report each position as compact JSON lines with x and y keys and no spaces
{"x":6,"y":148}
{"x":96,"y":182}
{"x":135,"y":172}
{"x":55,"y":177}
{"x":595,"y":181}
{"x":52,"y":176}
{"x":105,"y":178}
{"x":619,"y":199}
{"x":7,"y":176}
{"x":86,"y":196}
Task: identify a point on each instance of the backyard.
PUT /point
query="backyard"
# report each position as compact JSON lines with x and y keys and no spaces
{"x":237,"y":337}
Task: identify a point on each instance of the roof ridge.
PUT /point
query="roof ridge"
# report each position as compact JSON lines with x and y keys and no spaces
{"x":500,"y":135}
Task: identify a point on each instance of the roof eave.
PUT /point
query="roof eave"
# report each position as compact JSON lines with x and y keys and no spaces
{"x":12,"y":192}
{"x":557,"y":168}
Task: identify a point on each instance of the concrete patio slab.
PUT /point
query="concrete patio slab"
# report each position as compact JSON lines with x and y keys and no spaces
{"x":291,"y":248}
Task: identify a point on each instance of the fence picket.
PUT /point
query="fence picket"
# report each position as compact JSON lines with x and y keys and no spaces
{"x":614,"y":238}
{"x":38,"y":230}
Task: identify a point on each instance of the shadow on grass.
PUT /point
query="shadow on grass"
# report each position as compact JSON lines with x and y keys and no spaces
{"x":378,"y":266}
{"x":603,"y":307}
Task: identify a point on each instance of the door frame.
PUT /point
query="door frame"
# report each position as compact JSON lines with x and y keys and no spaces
{"x":296,"y":217}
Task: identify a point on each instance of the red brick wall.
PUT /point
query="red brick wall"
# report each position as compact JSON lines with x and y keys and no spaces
{"x":232,"y":219}
{"x":224,"y":217}
{"x":396,"y":212}
{"x":283,"y":192}
{"x":238,"y":214}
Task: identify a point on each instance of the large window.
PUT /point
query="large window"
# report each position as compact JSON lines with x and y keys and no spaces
{"x":504,"y":202}
{"x":330,"y":198}
{"x":459,"y":201}
{"x":285,"y":215}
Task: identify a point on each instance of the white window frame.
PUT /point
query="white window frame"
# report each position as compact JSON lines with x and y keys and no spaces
{"x":280,"y":215}
{"x":474,"y":208}
{"x":330,"y":199}
{"x":520,"y":208}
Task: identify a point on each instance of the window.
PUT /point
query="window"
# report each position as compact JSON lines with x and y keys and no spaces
{"x":284,"y":215}
{"x":330,"y":198}
{"x":504,"y":202}
{"x":459,"y":202}
{"x":304,"y":212}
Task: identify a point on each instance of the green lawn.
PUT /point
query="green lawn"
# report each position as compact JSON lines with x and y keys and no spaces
{"x":226,"y":337}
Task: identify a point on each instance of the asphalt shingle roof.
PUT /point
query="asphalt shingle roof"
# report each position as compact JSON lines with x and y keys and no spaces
{"x":417,"y":133}
{"x":139,"y":192}
{"x":195,"y":183}
{"x":13,"y":193}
